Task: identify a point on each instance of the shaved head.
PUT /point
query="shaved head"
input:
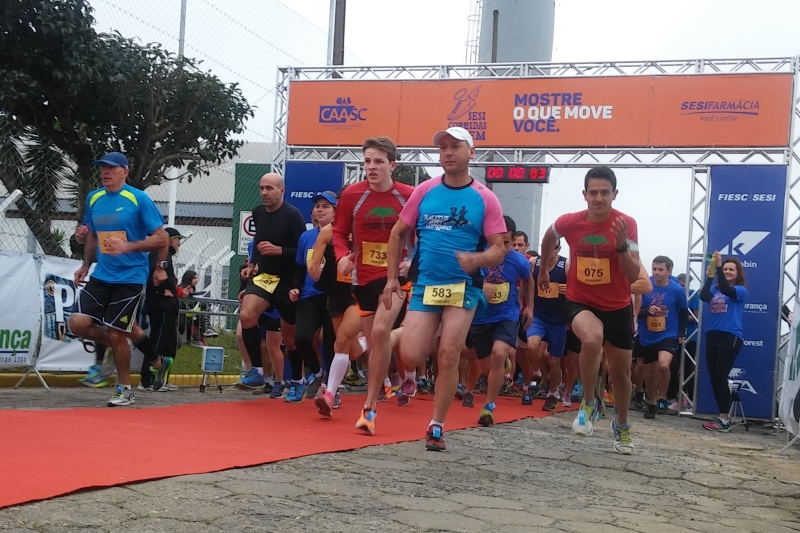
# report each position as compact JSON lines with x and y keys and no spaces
{"x":276,"y":180}
{"x":271,"y":188}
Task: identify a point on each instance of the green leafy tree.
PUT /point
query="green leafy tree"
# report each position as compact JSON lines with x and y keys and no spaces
{"x":407,"y":174}
{"x":87,"y":93}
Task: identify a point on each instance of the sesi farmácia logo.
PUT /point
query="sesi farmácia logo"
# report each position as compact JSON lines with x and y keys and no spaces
{"x":720,"y":110}
{"x":344,"y":114}
{"x":543,"y":112}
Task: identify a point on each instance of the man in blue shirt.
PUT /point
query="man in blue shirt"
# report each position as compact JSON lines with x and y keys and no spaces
{"x":124,"y":224}
{"x":495,"y":333}
{"x":662,"y":328}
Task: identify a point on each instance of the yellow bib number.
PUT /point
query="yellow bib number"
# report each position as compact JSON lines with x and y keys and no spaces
{"x":374,"y":253}
{"x":656,"y":323}
{"x":268,"y":282}
{"x":309,"y":255}
{"x":593,"y":271}
{"x":551,"y":292}
{"x":103,"y":236}
{"x":499,"y":292}
{"x":445,"y":295}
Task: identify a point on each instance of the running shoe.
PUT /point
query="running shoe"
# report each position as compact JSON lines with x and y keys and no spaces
{"x":171,"y":387}
{"x":662,"y":406}
{"x":608,"y":397}
{"x":337,"y":400}
{"x":278,"y":390}
{"x":324,"y":404}
{"x":251,"y":380}
{"x":550,"y":403}
{"x":718,"y":425}
{"x":468,"y":400}
{"x":600,"y":413}
{"x":313,"y":386}
{"x":582,"y":425}
{"x":162,"y":374}
{"x":460,"y":392}
{"x":141,"y":386}
{"x":407,"y":391}
{"x":486,"y":417}
{"x":526,"y":398}
{"x":566,"y":401}
{"x":622,"y":437}
{"x":353,"y":379}
{"x":435,"y":439}
{"x":650,"y":410}
{"x":98,"y":377}
{"x":423,"y":387}
{"x":638,"y":401}
{"x":672,"y":406}
{"x":366,"y":422}
{"x":560,"y":390}
{"x":297,"y":391}
{"x":122,"y":396}
{"x":386,"y":393}
{"x":577,"y":392}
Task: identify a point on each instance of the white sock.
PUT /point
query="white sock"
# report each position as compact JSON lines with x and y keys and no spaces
{"x":339,"y":366}
{"x":270,"y":380}
{"x":362,"y":341}
{"x":387,"y":382}
{"x":260,"y":370}
{"x":411,"y":376}
{"x":435,"y":423}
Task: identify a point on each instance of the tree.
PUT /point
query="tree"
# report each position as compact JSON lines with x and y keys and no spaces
{"x":88,"y":93}
{"x":407,"y":174}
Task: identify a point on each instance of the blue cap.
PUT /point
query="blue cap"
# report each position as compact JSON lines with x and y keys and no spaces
{"x":115,"y":159}
{"x":328,"y":196}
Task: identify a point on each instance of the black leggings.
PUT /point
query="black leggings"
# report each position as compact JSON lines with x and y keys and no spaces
{"x":312,"y":313}
{"x":721,"y":351}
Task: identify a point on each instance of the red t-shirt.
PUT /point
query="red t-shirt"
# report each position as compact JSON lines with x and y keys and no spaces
{"x":369,"y":216}
{"x":595,"y":277}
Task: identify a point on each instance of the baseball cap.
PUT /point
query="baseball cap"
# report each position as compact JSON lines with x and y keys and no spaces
{"x":174,"y":234}
{"x":115,"y":159}
{"x":459,"y":133}
{"x":328,"y":196}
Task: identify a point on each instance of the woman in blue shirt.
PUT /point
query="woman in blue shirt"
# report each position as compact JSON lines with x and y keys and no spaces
{"x":724,"y":337}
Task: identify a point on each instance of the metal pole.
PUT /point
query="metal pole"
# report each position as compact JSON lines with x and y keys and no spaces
{"x":338,"y":32}
{"x":495,"y":25}
{"x":331,"y":30}
{"x":173,"y":173}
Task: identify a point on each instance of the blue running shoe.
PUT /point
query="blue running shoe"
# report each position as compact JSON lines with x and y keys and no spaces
{"x":297,"y":391}
{"x":278,"y":390}
{"x":252,"y":380}
{"x":92,"y":377}
{"x":577,"y":392}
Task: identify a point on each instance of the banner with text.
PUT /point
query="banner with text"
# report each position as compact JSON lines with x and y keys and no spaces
{"x":659,"y":111}
{"x":745,"y":221}
{"x":19,"y":314}
{"x":789,"y":404}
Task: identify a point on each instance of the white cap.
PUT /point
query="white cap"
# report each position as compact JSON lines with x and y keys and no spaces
{"x":458,"y":133}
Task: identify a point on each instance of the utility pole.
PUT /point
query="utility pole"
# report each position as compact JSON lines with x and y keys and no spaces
{"x":173,"y":172}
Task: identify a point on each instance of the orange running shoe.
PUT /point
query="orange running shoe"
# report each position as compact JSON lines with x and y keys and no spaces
{"x":366,"y":421}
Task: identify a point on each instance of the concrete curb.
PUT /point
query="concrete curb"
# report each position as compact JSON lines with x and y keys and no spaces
{"x":71,"y":380}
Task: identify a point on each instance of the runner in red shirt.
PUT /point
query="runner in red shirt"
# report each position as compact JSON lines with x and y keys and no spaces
{"x":604,"y":261}
{"x":368,"y":210}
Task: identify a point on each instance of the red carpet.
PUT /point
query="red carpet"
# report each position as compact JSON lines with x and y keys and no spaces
{"x":50,"y":453}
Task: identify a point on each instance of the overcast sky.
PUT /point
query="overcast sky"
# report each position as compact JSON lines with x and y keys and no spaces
{"x":245,"y":40}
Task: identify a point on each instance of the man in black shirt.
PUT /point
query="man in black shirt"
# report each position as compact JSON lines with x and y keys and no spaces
{"x":278,"y":229}
{"x":161,"y":302}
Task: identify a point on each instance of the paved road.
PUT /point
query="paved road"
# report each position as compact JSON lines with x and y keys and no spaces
{"x":531,"y":476}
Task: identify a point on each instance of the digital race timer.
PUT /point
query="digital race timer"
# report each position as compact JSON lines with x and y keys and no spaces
{"x":517,"y":174}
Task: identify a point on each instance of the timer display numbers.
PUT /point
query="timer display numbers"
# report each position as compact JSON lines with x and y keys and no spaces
{"x":518,"y":174}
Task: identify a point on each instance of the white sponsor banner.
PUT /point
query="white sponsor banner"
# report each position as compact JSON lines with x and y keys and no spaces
{"x":19,"y":312}
{"x":60,"y":350}
{"x":789,"y":409}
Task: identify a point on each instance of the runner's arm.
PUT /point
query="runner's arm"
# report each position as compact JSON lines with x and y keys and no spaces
{"x":393,"y":251}
{"x":549,"y":242}
{"x":342,"y":227}
{"x":493,"y":255}
{"x":90,"y":249}
{"x":642,"y":284}
{"x":323,"y":239}
{"x":158,"y":240}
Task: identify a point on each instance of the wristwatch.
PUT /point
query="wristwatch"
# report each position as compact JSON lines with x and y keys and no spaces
{"x":624,"y":249}
{"x":161,"y":264}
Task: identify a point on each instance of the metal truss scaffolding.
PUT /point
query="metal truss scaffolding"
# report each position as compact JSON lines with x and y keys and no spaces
{"x":697,"y":159}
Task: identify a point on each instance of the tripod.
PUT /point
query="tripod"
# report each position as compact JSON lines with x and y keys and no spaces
{"x":736,"y":406}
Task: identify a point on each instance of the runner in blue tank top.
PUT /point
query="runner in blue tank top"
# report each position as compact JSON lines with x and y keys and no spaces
{"x":549,"y":325}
